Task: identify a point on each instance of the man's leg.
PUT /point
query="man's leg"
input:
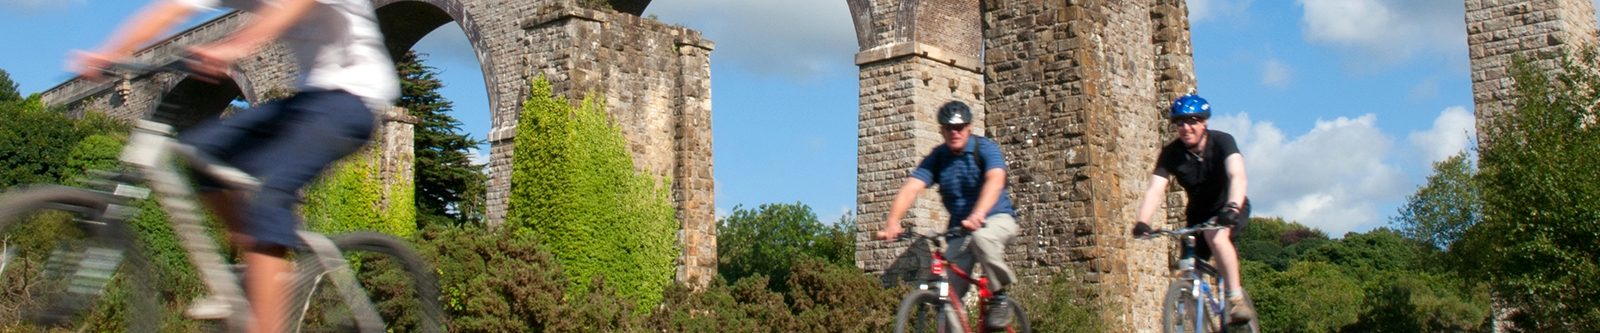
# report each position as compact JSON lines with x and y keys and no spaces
{"x":989,"y":246}
{"x":957,"y":254}
{"x":1222,"y":252}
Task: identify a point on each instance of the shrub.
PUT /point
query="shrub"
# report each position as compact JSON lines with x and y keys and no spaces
{"x":574,"y":188}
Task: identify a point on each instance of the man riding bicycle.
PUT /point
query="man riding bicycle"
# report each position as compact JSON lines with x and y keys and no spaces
{"x":1209,"y":167}
{"x":971,"y":174}
{"x":345,"y":74}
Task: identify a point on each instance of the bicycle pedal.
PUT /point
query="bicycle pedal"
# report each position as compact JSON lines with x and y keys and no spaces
{"x":209,"y":308}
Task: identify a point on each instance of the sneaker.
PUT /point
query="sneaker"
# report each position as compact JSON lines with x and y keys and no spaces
{"x":1240,"y":311}
{"x":999,"y":313}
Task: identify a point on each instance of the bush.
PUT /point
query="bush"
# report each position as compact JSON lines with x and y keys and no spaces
{"x":1310,"y":297}
{"x":574,"y":187}
{"x":1063,"y":305}
{"x":771,"y":239}
{"x":351,"y":196}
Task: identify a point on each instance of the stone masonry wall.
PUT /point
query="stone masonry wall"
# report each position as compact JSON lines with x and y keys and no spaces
{"x":1538,"y":30}
{"x":1073,"y":92}
{"x":655,"y":79}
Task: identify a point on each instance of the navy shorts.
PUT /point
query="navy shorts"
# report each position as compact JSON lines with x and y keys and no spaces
{"x":285,"y":144}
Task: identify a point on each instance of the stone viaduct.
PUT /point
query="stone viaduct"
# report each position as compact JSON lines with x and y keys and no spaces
{"x":1073,"y":91}
{"x":655,"y":78}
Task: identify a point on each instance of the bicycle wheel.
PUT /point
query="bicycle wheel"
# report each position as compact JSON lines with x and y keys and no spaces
{"x":1019,"y":318}
{"x":64,"y":265}
{"x":921,"y":311}
{"x":400,"y":281}
{"x":1178,"y":309}
{"x":1217,"y":319}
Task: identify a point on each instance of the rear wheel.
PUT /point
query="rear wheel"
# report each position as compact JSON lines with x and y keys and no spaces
{"x":402,"y":285}
{"x":64,"y":264}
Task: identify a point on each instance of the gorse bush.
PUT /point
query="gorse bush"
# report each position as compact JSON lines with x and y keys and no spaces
{"x":575,"y":189}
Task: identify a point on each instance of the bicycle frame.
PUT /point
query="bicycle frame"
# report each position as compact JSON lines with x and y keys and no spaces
{"x":941,"y":270}
{"x":1201,"y":292}
{"x":150,"y":148}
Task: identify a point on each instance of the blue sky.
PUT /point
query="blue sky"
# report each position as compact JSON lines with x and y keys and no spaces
{"x":1339,"y":105}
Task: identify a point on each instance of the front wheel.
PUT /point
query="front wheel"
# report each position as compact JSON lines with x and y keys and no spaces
{"x":1178,"y":309}
{"x":1019,"y":318}
{"x":65,"y":264}
{"x":402,"y":285}
{"x":922,"y":311}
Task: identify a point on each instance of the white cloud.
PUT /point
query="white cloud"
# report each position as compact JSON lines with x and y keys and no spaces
{"x":478,"y":157}
{"x":1275,"y":74}
{"x":1334,"y":177}
{"x":1452,"y":131}
{"x":1203,"y":10}
{"x":792,"y":39}
{"x":1385,"y":32}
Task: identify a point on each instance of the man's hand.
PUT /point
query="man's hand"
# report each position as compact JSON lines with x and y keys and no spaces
{"x":889,"y":232}
{"x":90,"y":65}
{"x":1141,"y":229}
{"x":1229,"y":215}
{"x":973,"y":222}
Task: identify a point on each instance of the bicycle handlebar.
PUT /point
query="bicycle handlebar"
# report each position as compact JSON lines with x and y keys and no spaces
{"x":1210,"y":224}
{"x":952,"y":232}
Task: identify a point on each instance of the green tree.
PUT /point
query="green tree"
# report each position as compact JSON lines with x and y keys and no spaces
{"x":1310,"y":297}
{"x":1444,"y":207}
{"x":1541,"y":200}
{"x":770,"y":239}
{"x":575,"y":188}
{"x":8,"y":88}
{"x":449,"y":187}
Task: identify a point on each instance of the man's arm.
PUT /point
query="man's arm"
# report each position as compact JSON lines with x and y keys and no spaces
{"x":1237,"y":182}
{"x":153,"y":19}
{"x":270,"y":22}
{"x":1153,"y":195}
{"x":994,"y":180}
{"x":902,"y":203}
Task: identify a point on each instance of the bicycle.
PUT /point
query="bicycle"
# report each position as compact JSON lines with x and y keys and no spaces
{"x":60,"y":276}
{"x":930,"y":307}
{"x":1195,"y":301}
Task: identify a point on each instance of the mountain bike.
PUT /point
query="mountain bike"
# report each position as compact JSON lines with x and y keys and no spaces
{"x":69,"y":256}
{"x":931,"y":307}
{"x":1195,"y":301}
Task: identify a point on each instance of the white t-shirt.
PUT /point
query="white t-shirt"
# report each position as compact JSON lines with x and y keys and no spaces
{"x":337,"y":45}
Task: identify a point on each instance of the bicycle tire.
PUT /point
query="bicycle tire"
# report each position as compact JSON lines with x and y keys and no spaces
{"x":72,"y":269}
{"x":1177,"y":312}
{"x":379,"y":260}
{"x":921,"y":311}
{"x":1019,"y":318}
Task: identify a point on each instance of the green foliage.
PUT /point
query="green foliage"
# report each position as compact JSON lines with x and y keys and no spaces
{"x":1541,"y":200}
{"x":825,"y":297}
{"x":449,"y":187}
{"x":8,"y":88}
{"x":1309,"y":297}
{"x":350,"y":196}
{"x":769,"y":241}
{"x":574,"y":188}
{"x":1365,"y":255}
{"x":1063,"y":305}
{"x":1278,"y":243}
{"x":1404,"y":301}
{"x":1444,"y":207}
{"x":36,"y":144}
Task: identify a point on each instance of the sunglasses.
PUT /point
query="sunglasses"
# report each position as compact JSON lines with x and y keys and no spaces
{"x":954,"y":128}
{"x":1191,"y":121}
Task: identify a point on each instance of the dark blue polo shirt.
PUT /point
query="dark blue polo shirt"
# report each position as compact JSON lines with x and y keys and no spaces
{"x":960,"y":176}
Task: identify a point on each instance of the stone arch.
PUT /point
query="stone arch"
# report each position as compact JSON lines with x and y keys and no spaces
{"x":189,"y":101}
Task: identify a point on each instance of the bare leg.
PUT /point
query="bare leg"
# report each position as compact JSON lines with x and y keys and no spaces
{"x":266,"y":269}
{"x":1226,"y":258}
{"x":266,"y":278}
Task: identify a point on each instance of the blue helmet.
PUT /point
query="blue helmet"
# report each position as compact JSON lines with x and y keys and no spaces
{"x":1190,"y":105}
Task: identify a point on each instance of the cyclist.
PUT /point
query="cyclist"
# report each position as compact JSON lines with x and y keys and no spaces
{"x":1209,"y":167}
{"x":971,"y":174}
{"x":344,"y":74}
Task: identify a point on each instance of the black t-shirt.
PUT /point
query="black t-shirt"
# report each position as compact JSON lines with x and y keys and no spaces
{"x":1204,"y":177}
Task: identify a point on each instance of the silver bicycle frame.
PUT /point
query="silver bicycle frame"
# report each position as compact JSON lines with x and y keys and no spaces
{"x":150,"y":148}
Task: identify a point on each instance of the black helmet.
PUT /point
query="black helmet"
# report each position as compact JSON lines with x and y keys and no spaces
{"x":955,"y":113}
